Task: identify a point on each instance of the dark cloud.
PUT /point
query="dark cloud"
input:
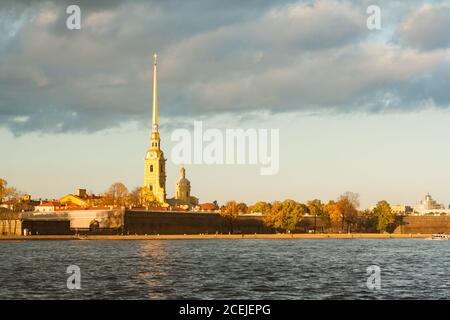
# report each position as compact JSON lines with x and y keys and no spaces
{"x":215,"y":57}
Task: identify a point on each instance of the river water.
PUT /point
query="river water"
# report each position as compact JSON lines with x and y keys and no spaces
{"x":226,"y":269}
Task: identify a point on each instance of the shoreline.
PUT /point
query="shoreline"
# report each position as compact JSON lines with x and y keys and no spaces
{"x":217,"y":236}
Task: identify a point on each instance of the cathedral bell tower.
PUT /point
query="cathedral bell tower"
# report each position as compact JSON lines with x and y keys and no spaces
{"x":154,"y":163}
{"x":183,"y":187}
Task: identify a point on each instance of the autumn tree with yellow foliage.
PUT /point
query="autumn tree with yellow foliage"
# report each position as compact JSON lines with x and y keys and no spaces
{"x":260,"y":207}
{"x":343,"y":213}
{"x":230,"y":212}
{"x":384,"y":216}
{"x":285,"y":215}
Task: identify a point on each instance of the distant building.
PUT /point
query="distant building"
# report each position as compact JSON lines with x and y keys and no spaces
{"x":8,"y":204}
{"x":72,"y":202}
{"x":401,"y":209}
{"x":81,"y":199}
{"x":427,"y":206}
{"x":73,"y":199}
{"x":48,"y":206}
{"x":25,"y":203}
{"x":397,"y":208}
{"x":430,"y":206}
{"x":207,"y":207}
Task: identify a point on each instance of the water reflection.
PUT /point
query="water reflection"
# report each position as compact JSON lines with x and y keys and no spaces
{"x":153,"y":267}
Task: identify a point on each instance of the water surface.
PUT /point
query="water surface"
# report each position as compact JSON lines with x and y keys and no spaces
{"x":226,"y":269}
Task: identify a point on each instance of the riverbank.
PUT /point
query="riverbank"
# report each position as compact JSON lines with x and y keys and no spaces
{"x":218,"y":236}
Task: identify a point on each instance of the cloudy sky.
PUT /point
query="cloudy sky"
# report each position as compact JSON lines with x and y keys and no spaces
{"x":358,"y":109}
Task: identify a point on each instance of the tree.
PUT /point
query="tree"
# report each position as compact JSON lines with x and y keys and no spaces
{"x":352,"y":197}
{"x":331,"y":210}
{"x":368,"y":221}
{"x":230,"y":211}
{"x":347,"y":205}
{"x":384,"y":216}
{"x":134,"y":197}
{"x":285,"y":215}
{"x":315,"y":208}
{"x":260,"y":206}
{"x":116,"y":195}
{"x":147,"y":197}
{"x":11,"y":194}
{"x":3,"y":185}
{"x":16,"y":198}
{"x":7,"y":192}
{"x":242,"y":208}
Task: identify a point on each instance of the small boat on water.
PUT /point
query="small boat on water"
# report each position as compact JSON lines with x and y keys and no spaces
{"x":438,"y":236}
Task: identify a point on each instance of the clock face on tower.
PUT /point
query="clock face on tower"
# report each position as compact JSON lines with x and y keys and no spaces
{"x":151,"y":155}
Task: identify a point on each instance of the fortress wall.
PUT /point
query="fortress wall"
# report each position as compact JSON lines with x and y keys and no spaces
{"x":81,"y":219}
{"x":424,"y":224}
{"x":69,"y":222}
{"x":107,"y":219}
{"x":47,"y":227}
{"x":145,"y":222}
{"x":148,"y":222}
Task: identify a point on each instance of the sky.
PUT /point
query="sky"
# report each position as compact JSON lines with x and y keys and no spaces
{"x":358,"y":110}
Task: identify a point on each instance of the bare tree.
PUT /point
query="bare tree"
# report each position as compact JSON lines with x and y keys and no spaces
{"x":116,"y":195}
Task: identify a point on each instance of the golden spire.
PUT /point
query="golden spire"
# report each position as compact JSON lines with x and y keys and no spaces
{"x":155,"y":96}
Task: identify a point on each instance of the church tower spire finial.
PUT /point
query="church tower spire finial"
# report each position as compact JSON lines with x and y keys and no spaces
{"x":155,"y":96}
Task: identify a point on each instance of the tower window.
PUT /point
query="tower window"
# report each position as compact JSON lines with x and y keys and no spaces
{"x":151,"y":188}
{"x":151,"y":168}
